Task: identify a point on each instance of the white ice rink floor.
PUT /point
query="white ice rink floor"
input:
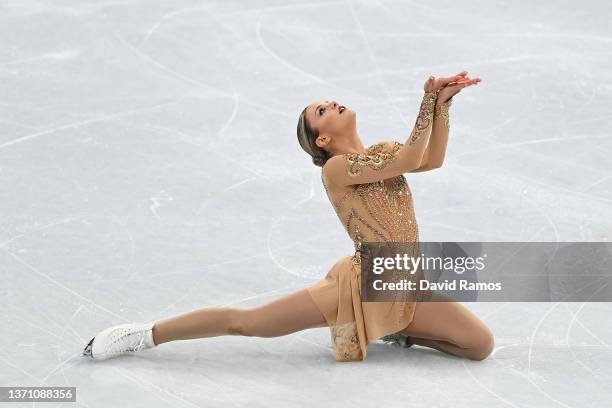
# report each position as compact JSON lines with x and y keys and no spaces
{"x":149,"y":166}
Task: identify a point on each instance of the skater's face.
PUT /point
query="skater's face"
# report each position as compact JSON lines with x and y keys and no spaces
{"x":331,"y":119}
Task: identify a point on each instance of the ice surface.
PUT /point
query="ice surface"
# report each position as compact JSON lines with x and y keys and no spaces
{"x":149,"y":166}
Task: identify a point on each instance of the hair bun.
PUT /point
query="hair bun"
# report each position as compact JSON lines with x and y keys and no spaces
{"x":319,"y":160}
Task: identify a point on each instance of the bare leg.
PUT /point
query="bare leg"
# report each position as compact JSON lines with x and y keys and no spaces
{"x":452,"y":328}
{"x":288,"y":314}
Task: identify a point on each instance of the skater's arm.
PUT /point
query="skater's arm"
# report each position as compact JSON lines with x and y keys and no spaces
{"x":438,"y":141}
{"x":396,"y":158}
{"x":436,"y":150}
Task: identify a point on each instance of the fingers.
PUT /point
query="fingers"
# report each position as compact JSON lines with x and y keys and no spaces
{"x":453,"y":79}
{"x":457,"y":87}
{"x":459,"y":81}
{"x":430,"y":83}
{"x":466,"y":82}
{"x":469,"y":82}
{"x":461,"y":77}
{"x":456,"y":84}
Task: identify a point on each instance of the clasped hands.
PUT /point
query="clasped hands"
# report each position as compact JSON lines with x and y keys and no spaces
{"x":449,"y":86}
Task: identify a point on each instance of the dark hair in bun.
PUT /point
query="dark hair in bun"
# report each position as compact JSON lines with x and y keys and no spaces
{"x":307,"y":136}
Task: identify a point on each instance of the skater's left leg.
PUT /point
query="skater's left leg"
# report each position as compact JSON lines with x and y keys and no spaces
{"x":294,"y":312}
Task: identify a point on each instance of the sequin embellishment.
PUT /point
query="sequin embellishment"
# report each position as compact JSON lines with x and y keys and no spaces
{"x":380,"y":211}
{"x":345,"y":342}
{"x":376,"y":158}
{"x":441,"y":111}
{"x":423,"y":120}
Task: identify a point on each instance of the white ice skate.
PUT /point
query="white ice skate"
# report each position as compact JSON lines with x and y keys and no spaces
{"x":122,"y":339}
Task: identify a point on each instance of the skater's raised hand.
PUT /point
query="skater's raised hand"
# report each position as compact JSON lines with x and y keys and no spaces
{"x":434,"y":83}
{"x":454,"y":88}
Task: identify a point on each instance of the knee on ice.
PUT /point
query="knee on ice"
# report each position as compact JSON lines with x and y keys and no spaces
{"x":484,"y":347}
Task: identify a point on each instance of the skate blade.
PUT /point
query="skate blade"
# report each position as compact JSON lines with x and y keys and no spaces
{"x":87,"y":351}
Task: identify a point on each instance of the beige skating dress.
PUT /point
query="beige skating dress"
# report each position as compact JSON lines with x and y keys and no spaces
{"x":374,"y":203}
{"x":378,"y":210}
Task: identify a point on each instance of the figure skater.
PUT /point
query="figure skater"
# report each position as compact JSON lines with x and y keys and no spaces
{"x":370,"y":195}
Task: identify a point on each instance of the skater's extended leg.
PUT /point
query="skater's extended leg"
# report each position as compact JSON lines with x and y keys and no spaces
{"x":285,"y":315}
{"x":294,"y":312}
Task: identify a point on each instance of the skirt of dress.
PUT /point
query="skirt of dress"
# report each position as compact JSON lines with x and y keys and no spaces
{"x":354,"y":324}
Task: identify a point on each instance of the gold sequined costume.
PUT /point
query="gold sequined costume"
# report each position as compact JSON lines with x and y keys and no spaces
{"x":376,"y":206}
